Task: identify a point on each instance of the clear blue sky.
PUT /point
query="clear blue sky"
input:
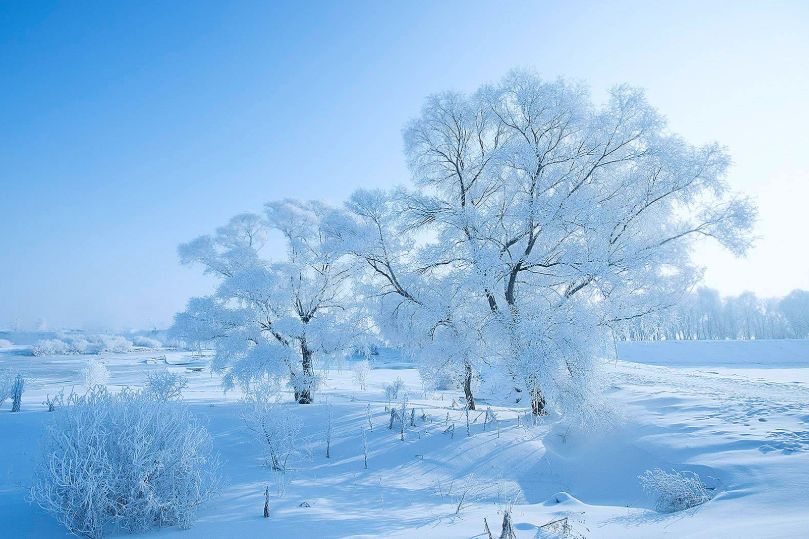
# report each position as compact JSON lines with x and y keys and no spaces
{"x":129,"y":127}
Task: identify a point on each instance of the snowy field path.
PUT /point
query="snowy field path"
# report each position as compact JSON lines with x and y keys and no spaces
{"x":744,"y":430}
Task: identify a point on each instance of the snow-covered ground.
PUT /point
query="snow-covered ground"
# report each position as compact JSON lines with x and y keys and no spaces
{"x":735,"y":413}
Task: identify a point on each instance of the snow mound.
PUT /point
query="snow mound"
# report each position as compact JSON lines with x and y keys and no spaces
{"x":562,"y":498}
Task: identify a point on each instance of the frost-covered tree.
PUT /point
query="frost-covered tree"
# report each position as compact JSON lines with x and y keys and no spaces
{"x":566,"y":218}
{"x":271,"y":317}
{"x":17,"y":388}
{"x":539,"y":223}
{"x":795,"y":308}
{"x":419,"y":300}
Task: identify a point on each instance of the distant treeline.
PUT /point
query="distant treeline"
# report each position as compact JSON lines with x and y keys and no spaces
{"x":703,"y":314}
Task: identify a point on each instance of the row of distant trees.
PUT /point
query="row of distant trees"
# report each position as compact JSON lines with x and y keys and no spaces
{"x":703,"y":314}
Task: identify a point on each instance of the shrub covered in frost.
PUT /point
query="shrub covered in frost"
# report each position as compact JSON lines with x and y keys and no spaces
{"x":361,"y":369}
{"x":392,"y":389}
{"x":95,"y":373}
{"x":11,"y":387}
{"x":82,"y":345}
{"x":146,"y":342}
{"x":50,"y":347}
{"x":675,"y":491}
{"x":165,"y":385}
{"x":113,"y":343}
{"x":275,"y":428}
{"x":5,"y":385}
{"x":437,"y":377}
{"x":123,"y":462}
{"x":79,"y":345}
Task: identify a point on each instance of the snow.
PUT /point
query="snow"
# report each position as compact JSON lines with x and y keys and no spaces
{"x":735,"y":413}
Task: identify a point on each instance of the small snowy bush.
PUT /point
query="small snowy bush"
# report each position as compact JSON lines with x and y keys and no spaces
{"x":675,"y":491}
{"x":274,"y":426}
{"x":11,"y":387}
{"x":79,"y":345}
{"x":123,"y":462}
{"x":279,"y":433}
{"x":50,"y":347}
{"x":95,"y":373}
{"x":560,"y":528}
{"x":392,"y":390}
{"x":146,"y":342}
{"x":361,"y":370}
{"x":55,"y":401}
{"x":436,"y":378}
{"x":117,"y":344}
{"x":165,"y":385}
{"x":6,"y":381}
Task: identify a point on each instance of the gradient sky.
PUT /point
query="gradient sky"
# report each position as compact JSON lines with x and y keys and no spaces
{"x":129,"y":127}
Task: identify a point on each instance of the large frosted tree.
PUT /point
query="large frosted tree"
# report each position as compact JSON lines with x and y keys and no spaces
{"x":538,"y":223}
{"x":271,"y":317}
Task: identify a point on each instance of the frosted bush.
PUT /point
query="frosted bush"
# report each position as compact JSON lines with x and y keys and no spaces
{"x":165,"y":385}
{"x":146,"y":342}
{"x":5,"y":343}
{"x":6,"y":379}
{"x":82,"y":345}
{"x":436,"y":378}
{"x":675,"y":491}
{"x":116,"y":344}
{"x":273,"y":425}
{"x":79,"y":345}
{"x":560,"y":528}
{"x":55,"y":401}
{"x":361,"y":370}
{"x":95,"y":373}
{"x":278,"y":432}
{"x":392,"y":390}
{"x":11,"y":387}
{"x":50,"y":347}
{"x":123,"y":462}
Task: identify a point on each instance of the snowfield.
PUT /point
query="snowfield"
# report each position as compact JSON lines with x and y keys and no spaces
{"x":735,"y":413}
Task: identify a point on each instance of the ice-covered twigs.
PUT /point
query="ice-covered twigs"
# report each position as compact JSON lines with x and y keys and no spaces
{"x":560,"y":528}
{"x":675,"y":491}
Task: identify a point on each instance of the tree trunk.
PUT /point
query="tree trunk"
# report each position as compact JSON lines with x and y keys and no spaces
{"x":508,"y":530}
{"x":537,"y":402}
{"x":304,"y":395}
{"x":537,"y":398}
{"x":467,"y":386}
{"x":16,"y":393}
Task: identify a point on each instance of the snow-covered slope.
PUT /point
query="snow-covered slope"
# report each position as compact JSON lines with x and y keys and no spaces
{"x":745,"y":431}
